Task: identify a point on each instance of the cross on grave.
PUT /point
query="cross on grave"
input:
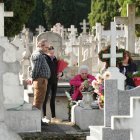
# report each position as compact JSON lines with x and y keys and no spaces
{"x":129,"y":122}
{"x":129,"y":22}
{"x":73,"y":32}
{"x":40,"y":29}
{"x":57,"y":28}
{"x":113,"y":55}
{"x":84,"y":26}
{"x":2,"y":15}
{"x":99,"y":29}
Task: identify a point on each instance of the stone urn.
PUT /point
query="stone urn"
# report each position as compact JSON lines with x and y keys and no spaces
{"x":87,"y":100}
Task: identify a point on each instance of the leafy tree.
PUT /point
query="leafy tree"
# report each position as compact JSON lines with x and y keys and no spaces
{"x":22,"y":10}
{"x":37,"y":17}
{"x":103,"y":11}
{"x":66,"y":12}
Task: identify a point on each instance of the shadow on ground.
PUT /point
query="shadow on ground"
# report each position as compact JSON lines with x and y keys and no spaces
{"x":61,"y":131}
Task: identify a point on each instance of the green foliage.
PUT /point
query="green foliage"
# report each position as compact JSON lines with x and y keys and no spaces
{"x":103,"y":11}
{"x":66,"y":12}
{"x":37,"y":17}
{"x":22,"y":11}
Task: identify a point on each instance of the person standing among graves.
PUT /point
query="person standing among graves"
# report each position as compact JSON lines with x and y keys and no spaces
{"x":78,"y":80}
{"x":52,"y":84}
{"x":40,"y":73}
{"x":128,"y":67}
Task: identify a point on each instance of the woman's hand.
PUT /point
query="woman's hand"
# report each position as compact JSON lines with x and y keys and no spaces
{"x":59,"y":75}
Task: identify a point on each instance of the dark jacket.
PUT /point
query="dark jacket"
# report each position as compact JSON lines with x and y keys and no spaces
{"x":53,"y":68}
{"x":128,"y":71}
{"x":40,"y":68}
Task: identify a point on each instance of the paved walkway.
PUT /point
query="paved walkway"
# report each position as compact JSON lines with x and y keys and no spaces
{"x":61,"y":131}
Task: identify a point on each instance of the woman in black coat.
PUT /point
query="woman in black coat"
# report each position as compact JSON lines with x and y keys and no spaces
{"x":128,"y":67}
{"x":52,"y":84}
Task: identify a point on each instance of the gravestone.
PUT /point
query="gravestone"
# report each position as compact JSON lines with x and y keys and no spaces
{"x":114,"y":71}
{"x":54,"y":39}
{"x":17,"y":113}
{"x":72,"y":35}
{"x":129,"y":122}
{"x":40,"y":29}
{"x":17,"y":110}
{"x":117,"y":103}
{"x":84,"y":28}
{"x":129,"y":23}
{"x":6,"y":133}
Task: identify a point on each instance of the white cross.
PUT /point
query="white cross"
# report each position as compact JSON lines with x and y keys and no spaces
{"x":73,"y":32}
{"x":130,"y":22}
{"x":131,"y":122}
{"x":40,"y":29}
{"x":2,"y":15}
{"x":99,"y":29}
{"x":84,"y":26}
{"x":113,"y":55}
{"x":57,"y":28}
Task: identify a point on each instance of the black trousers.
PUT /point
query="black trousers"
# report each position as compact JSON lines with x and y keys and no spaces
{"x":51,"y":90}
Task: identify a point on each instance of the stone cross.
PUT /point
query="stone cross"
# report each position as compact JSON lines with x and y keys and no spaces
{"x":40,"y":29}
{"x":113,"y":55}
{"x":57,"y":28}
{"x":131,"y":122}
{"x":98,"y":29}
{"x":84,"y":24}
{"x":72,"y":30}
{"x":72,"y":35}
{"x":129,"y":22}
{"x":2,"y":15}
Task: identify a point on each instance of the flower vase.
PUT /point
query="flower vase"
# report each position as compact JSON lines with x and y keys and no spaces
{"x":87,"y":99}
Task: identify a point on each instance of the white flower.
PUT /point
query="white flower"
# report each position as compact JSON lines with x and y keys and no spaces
{"x":107,"y":75}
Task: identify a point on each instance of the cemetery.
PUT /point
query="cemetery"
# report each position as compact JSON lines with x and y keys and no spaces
{"x":113,"y":115}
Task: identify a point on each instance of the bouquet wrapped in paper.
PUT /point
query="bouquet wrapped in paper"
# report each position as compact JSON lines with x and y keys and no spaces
{"x":61,"y":65}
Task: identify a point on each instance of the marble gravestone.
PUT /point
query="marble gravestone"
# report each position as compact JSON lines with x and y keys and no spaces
{"x":117,"y":103}
{"x":54,"y":39}
{"x":114,"y":71}
{"x":129,"y":122}
{"x":17,"y":112}
{"x":5,"y":132}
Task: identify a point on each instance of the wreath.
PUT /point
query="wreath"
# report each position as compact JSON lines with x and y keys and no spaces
{"x":107,"y":51}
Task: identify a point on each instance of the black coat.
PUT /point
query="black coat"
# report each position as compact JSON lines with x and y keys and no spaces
{"x":53,"y":68}
{"x":128,"y":71}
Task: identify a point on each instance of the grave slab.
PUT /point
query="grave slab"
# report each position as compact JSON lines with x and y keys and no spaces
{"x":88,"y":117}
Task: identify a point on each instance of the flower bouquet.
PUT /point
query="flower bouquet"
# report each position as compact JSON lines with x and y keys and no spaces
{"x":99,"y":89}
{"x":61,"y":65}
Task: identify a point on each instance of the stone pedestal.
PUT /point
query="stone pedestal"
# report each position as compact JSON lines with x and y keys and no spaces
{"x":23,"y":120}
{"x":86,"y":100}
{"x":87,"y":117}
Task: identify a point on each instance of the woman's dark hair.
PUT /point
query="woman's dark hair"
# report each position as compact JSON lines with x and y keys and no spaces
{"x":129,"y":55}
